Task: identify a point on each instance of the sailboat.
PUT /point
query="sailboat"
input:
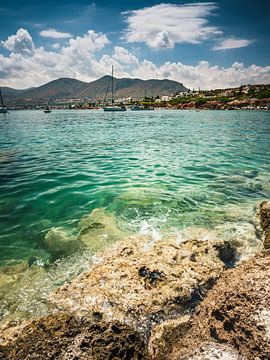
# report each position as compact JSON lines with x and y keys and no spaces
{"x":47,"y":109}
{"x":113,"y":107}
{"x":3,"y":109}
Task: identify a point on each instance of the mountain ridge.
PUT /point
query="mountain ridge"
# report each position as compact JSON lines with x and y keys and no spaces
{"x":64,"y":89}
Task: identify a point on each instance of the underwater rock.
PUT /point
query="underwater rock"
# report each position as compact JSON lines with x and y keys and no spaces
{"x":11,"y":273}
{"x":14,"y":291}
{"x":99,"y":229}
{"x":141,"y":283}
{"x":235,"y":313}
{"x":66,"y":337}
{"x":60,"y":243}
{"x":264,"y":218}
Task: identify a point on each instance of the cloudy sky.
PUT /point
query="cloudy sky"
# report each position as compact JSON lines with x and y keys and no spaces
{"x":201,"y":44}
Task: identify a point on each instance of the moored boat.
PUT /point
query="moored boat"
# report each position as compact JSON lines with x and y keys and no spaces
{"x":140,"y":107}
{"x":47,"y":110}
{"x":113,"y":107}
{"x":3,"y":108}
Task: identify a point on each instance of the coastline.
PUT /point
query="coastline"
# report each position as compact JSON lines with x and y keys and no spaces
{"x":145,"y":299}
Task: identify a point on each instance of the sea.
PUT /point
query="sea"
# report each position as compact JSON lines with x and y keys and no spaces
{"x":155,"y":172}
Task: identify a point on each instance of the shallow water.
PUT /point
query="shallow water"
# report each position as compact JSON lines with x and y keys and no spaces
{"x":156,"y":170}
{"x":175,"y":174}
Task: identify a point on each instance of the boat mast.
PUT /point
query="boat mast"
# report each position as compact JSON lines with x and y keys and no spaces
{"x":1,"y":97}
{"x":112,"y":86}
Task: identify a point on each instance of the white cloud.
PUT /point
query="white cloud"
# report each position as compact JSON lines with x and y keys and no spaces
{"x":204,"y":75}
{"x":55,"y":34}
{"x":56,"y":46}
{"x":20,"y":43}
{"x":232,"y":43}
{"x":124,"y":56}
{"x":162,"y":26}
{"x":28,"y":65}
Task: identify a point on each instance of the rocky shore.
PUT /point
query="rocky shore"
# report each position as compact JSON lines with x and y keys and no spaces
{"x":189,"y":298}
{"x":246,"y":104}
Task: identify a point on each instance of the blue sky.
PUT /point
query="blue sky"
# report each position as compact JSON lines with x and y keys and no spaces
{"x":202,"y":44}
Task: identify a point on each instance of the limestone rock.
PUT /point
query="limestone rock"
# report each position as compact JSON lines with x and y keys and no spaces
{"x":164,"y":335}
{"x":264,"y":217}
{"x":235,"y":312}
{"x":66,"y":337}
{"x":142,"y":283}
{"x":214,"y":350}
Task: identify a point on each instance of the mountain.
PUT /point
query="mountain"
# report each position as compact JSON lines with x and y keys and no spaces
{"x":135,"y":88}
{"x":64,"y":89}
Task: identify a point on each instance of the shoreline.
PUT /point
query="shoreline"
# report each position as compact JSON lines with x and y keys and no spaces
{"x":188,"y":107}
{"x":148,"y":299}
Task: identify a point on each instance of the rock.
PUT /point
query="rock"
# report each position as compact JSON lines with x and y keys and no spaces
{"x":213,"y":350}
{"x":264,"y":218}
{"x":144,"y":298}
{"x":235,"y":312}
{"x":164,"y":335}
{"x":99,"y":229}
{"x":66,"y":337}
{"x":242,"y":237}
{"x":60,"y":243}
{"x":264,"y":212}
{"x":142,"y":283}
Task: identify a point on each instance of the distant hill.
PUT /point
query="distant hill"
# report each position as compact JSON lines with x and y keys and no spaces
{"x":66,"y":89}
{"x":135,"y":88}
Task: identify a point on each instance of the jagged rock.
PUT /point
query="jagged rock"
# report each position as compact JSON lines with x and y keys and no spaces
{"x":163,"y":336}
{"x":213,"y":350}
{"x":142,"y":283}
{"x":66,"y":337}
{"x":264,"y":217}
{"x":140,"y":299}
{"x":235,"y":312}
{"x":241,"y":236}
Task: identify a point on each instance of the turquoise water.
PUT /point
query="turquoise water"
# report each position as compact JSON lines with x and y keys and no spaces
{"x":163,"y":168}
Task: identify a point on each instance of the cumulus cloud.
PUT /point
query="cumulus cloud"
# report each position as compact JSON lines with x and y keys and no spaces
{"x":204,"y":75}
{"x":28,"y":65}
{"x":20,"y":43}
{"x":54,"y":34}
{"x":124,"y":56}
{"x":56,"y":46}
{"x":162,"y":26}
{"x":232,"y":43}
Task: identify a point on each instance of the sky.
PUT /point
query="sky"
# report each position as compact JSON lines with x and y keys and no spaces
{"x":201,"y":44}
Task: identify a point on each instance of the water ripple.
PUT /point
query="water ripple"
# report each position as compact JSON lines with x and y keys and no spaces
{"x":173,"y":165}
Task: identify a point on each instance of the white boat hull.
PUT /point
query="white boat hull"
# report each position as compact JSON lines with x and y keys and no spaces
{"x":114,"y":108}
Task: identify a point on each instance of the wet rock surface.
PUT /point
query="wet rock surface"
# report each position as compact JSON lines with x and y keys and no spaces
{"x":66,"y":337}
{"x":235,"y":313}
{"x":176,"y":297}
{"x":264,"y":218}
{"x":143,"y":283}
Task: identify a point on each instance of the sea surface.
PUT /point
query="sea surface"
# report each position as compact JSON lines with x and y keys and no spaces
{"x":153,"y":170}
